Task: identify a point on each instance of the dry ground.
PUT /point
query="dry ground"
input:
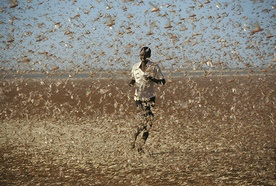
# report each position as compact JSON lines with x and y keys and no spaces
{"x":214,"y":130}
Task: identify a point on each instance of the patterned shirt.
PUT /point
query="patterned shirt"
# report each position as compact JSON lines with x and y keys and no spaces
{"x":144,"y":88}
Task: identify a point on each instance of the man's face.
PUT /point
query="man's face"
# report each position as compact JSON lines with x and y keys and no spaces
{"x":143,"y":56}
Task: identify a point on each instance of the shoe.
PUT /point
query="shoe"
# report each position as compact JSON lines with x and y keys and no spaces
{"x":132,"y":145}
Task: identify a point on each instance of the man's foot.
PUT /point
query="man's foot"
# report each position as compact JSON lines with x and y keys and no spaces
{"x":132,"y":145}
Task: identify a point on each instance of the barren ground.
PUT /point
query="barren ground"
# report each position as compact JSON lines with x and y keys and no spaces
{"x":216,"y":130}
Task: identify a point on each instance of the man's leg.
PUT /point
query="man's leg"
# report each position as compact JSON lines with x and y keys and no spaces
{"x":144,"y":125}
{"x":136,"y":134}
{"x":139,"y":128}
{"x":148,"y":117}
{"x":148,"y":124}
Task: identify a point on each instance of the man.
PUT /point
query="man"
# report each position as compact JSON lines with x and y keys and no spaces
{"x":144,"y":75}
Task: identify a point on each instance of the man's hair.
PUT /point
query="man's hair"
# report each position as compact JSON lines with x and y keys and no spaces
{"x":147,"y":51}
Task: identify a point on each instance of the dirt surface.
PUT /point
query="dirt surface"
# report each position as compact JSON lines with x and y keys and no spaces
{"x":214,"y":130}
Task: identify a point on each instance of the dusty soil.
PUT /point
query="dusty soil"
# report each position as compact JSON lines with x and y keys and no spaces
{"x":214,"y":130}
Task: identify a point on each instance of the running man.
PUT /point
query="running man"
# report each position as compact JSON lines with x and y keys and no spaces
{"x":144,"y":75}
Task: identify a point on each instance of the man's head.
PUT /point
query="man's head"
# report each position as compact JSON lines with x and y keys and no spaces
{"x":145,"y":53}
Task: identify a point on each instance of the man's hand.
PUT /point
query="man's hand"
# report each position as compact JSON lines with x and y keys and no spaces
{"x":163,"y":81}
{"x":131,"y":83}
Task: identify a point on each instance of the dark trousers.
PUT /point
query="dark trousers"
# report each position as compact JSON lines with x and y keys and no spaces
{"x":146,"y":120}
{"x":146,"y":106}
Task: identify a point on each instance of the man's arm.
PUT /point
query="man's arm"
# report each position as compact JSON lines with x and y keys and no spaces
{"x":158,"y":77}
{"x":158,"y":81}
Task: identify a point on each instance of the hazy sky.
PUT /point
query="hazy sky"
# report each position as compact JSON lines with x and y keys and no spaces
{"x":80,"y":34}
